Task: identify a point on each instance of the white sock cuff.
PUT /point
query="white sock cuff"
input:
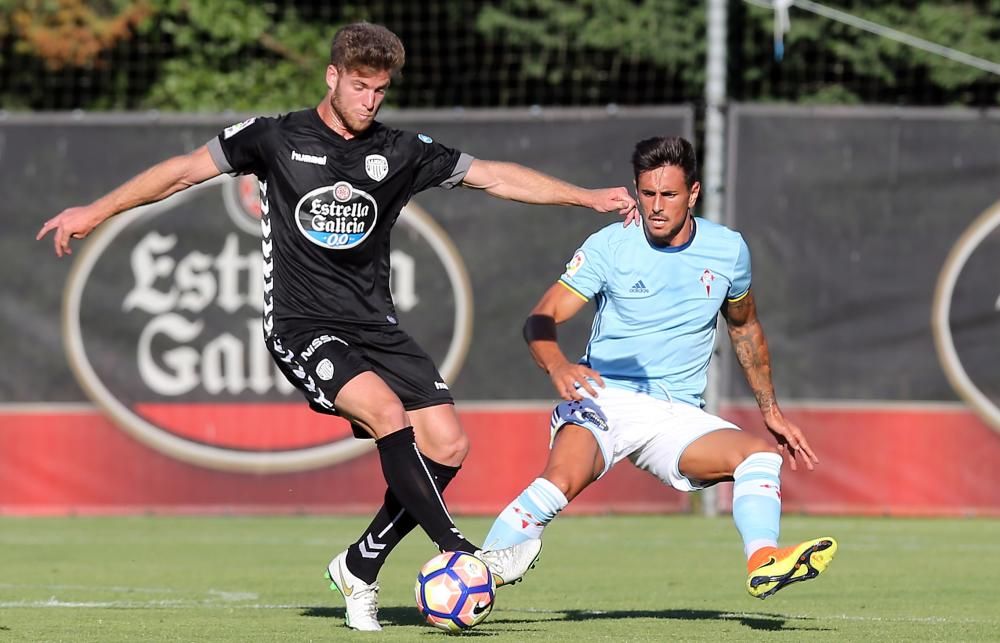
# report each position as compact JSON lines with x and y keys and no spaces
{"x":553,"y":499}
{"x":762,"y":462}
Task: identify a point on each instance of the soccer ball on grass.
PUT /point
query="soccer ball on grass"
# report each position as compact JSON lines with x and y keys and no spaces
{"x":455,"y":591}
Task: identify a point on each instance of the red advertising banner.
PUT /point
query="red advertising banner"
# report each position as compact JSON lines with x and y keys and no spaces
{"x":891,"y":460}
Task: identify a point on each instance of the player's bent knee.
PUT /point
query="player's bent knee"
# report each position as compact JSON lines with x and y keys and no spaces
{"x":451,"y":452}
{"x":569,"y":485}
{"x":737,"y":458}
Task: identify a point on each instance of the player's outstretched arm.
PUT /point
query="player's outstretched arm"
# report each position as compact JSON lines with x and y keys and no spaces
{"x":556,"y":306}
{"x":750,"y":344}
{"x":156,"y":183}
{"x":519,"y":183}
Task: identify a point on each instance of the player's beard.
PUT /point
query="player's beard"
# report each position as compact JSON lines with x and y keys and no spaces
{"x":665,"y":237}
{"x":351,"y":120}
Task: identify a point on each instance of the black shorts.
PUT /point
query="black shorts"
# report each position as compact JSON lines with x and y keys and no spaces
{"x":319,"y":361}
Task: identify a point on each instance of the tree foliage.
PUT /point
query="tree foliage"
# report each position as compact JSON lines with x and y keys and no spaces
{"x":828,"y":61}
{"x":211,"y":55}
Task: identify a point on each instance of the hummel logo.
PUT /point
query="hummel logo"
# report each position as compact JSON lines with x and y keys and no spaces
{"x":308,"y":158}
{"x":639,"y":287}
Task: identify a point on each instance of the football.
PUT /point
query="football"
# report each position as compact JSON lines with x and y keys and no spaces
{"x":455,"y":591}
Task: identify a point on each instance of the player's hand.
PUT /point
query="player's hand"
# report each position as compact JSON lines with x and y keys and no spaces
{"x":71,"y":223}
{"x":615,"y":200}
{"x":791,"y":442}
{"x":566,"y":376}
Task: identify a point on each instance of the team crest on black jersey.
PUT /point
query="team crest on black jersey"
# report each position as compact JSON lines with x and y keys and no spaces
{"x":377,"y":166}
{"x":337,"y":216}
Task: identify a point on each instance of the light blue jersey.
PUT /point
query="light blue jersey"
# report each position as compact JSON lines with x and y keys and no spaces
{"x":654,"y":329}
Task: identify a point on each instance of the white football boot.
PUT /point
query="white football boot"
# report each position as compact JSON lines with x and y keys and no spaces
{"x":360,"y":598}
{"x":510,"y":565}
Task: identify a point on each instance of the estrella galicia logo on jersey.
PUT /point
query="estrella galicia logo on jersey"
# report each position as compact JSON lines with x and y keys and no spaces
{"x":377,"y":166}
{"x":336,"y":217}
{"x":425,"y":139}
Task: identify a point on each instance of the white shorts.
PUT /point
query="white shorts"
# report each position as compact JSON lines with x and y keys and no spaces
{"x":651,"y":433}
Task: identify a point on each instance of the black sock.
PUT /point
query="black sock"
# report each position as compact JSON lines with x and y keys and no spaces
{"x":391,"y":524}
{"x":410,"y":481}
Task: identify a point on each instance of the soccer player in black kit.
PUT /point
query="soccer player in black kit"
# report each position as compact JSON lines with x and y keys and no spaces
{"x":333,"y":181}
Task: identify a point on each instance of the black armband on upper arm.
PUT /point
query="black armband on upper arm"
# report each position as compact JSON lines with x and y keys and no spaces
{"x":539,"y":327}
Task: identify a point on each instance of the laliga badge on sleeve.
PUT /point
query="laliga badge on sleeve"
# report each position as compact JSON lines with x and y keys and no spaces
{"x":575,"y":263}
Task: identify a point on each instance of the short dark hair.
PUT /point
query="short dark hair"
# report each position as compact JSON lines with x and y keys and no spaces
{"x":362,"y":45}
{"x":659,"y":151}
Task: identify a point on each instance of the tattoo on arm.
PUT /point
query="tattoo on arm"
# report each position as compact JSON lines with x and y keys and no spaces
{"x":750,"y":345}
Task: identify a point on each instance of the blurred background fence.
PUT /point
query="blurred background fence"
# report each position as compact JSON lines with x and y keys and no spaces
{"x":864,"y":173}
{"x":214,"y":55}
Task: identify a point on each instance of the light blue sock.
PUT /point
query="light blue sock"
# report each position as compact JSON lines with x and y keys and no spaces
{"x":757,"y":500}
{"x":526,"y":517}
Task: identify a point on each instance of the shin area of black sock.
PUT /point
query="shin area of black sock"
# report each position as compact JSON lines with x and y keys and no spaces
{"x":410,"y":480}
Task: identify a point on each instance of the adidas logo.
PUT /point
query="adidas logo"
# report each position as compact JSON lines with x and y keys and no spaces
{"x":639,"y":288}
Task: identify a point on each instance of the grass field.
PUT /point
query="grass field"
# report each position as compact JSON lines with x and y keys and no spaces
{"x":603,"y":578}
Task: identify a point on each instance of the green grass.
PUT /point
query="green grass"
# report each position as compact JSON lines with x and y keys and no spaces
{"x":605,"y":578}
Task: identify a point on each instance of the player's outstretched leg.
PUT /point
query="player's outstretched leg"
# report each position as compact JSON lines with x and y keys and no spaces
{"x":360,"y":598}
{"x":771,"y":569}
{"x":574,"y":462}
{"x":757,"y":513}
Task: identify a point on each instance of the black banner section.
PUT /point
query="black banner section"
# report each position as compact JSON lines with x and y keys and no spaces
{"x":864,"y":225}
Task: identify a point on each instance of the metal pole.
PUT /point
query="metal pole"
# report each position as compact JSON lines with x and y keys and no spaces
{"x":713,"y":182}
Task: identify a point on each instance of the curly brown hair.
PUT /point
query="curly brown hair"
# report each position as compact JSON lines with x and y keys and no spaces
{"x":363,"y":45}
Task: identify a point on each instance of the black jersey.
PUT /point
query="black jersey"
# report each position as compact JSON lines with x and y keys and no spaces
{"x":328,"y":205}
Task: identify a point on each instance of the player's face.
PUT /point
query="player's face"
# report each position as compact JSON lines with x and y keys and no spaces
{"x":665,"y":202}
{"x":356,"y":95}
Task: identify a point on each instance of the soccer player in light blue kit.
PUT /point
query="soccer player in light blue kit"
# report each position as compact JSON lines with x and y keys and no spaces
{"x":637,"y":393}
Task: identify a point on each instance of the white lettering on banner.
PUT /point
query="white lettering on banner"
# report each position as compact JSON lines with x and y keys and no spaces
{"x":226,"y":365}
{"x":181,"y":361}
{"x":165,"y":286}
{"x":230,"y":279}
{"x":149,"y":263}
{"x":195,"y":282}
